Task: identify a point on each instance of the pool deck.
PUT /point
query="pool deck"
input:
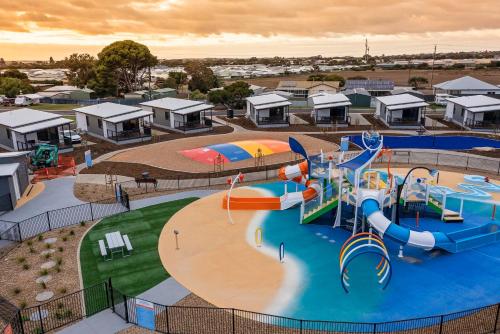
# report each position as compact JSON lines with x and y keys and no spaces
{"x":214,"y":261}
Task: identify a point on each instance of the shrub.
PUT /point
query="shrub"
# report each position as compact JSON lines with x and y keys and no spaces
{"x":23,"y":304}
{"x":40,"y":237}
{"x":47,"y":256}
{"x":59,"y":261}
{"x":82,"y":223}
{"x":62,"y":314}
{"x":32,"y":250}
{"x":48,"y":246}
{"x":63,"y":290}
{"x":26,"y":266}
{"x":71,"y":232}
{"x":16,"y":290}
{"x":60,"y":305}
{"x":43,"y":285}
{"x":58,"y":269}
{"x":65,"y":239}
{"x":29,"y":243}
{"x":44,"y":272}
{"x":61,"y":249}
{"x":21,"y":259}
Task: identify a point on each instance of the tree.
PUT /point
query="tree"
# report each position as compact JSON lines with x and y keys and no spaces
{"x":327,"y":77}
{"x":202,"y":77}
{"x":357,"y":77}
{"x":179,"y":77}
{"x":14,"y":73}
{"x":127,"y":62}
{"x":219,"y":96}
{"x":197,"y":95}
{"x":81,"y":69}
{"x":416,"y":81}
{"x":11,"y":87}
{"x":2,"y":62}
{"x":51,"y":60}
{"x":238,"y":91}
{"x":166,"y":83}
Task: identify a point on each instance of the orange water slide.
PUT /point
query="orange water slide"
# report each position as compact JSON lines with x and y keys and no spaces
{"x":252,"y":203}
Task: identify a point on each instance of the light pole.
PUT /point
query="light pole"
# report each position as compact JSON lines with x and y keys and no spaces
{"x":432,"y":172}
{"x":238,"y":178}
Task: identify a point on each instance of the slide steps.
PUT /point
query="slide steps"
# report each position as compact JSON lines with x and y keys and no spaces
{"x":320,"y":210}
{"x":452,"y":217}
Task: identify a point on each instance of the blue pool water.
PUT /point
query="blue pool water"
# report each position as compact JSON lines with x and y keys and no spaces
{"x":437,"y":283}
{"x":433,"y":142}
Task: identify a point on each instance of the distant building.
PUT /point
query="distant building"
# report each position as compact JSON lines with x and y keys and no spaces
{"x":476,"y":112}
{"x":23,"y":129}
{"x":117,"y":123}
{"x":359,"y":97}
{"x":466,"y":86}
{"x":180,"y":114}
{"x":268,"y":110}
{"x":27,"y":99}
{"x":67,"y":93}
{"x":154,"y":94}
{"x":374,"y":87}
{"x":257,"y":90}
{"x":329,"y":109}
{"x":14,"y":178}
{"x":303,"y":89}
{"x":402,"y":111}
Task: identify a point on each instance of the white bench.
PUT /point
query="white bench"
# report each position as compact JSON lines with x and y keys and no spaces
{"x":103,"y":250}
{"x":127,"y":243}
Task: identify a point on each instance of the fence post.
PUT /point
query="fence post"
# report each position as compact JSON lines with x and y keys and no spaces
{"x":437,"y":159}
{"x":301,"y":326}
{"x":234,"y":325}
{"x":20,"y":235}
{"x":374,"y":328}
{"x":440,"y":324}
{"x":467,"y":164}
{"x":496,"y":319}
{"x":125,"y":304}
{"x":91,"y":212}
{"x":168,"y":323}
{"x":40,"y":318}
{"x":498,"y":170}
{"x":110,"y":286}
{"x":48,"y":220}
{"x":107,"y":293}
{"x":21,"y":322}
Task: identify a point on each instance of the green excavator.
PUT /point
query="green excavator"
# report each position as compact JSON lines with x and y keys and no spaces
{"x":44,"y":155}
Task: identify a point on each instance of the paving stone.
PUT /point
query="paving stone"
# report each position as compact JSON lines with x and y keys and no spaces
{"x":43,"y":279}
{"x":44,"y":296}
{"x":48,"y":265}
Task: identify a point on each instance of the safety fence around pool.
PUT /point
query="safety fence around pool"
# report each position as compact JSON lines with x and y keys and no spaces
{"x":73,"y":307}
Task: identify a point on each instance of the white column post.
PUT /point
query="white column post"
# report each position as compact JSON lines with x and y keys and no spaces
{"x":444,"y":206}
{"x":302,"y":210}
{"x":235,"y":180}
{"x":461,"y":206}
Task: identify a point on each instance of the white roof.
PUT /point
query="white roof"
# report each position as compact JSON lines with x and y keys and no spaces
{"x":107,"y":109}
{"x":8,"y":169}
{"x":42,"y":125}
{"x":67,"y":89}
{"x":400,"y":99}
{"x":267,"y":99}
{"x":476,"y":103}
{"x":466,"y":83}
{"x":24,"y":116}
{"x":171,"y":103}
{"x":31,"y":96}
{"x":13,"y":154}
{"x":52,"y":94}
{"x":193,"y":109}
{"x":407,"y":105}
{"x":136,"y":114}
{"x":325,"y":100}
{"x":272,"y":105}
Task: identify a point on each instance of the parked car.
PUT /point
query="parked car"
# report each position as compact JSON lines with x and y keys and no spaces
{"x":70,"y":135}
{"x":7,"y":102}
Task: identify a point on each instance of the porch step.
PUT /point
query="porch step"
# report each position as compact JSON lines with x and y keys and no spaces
{"x":453,"y":219}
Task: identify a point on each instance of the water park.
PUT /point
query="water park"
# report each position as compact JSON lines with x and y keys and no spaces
{"x":343,"y":236}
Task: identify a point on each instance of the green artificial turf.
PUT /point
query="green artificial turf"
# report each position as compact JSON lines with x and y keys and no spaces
{"x":141,"y":270}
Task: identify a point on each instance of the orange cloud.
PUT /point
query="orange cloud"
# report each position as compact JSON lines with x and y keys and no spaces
{"x":261,"y":17}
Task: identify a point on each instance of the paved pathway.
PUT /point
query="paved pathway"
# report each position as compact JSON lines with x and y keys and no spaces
{"x":167,"y":292}
{"x":105,"y":322}
{"x":141,"y":203}
{"x":58,"y":193}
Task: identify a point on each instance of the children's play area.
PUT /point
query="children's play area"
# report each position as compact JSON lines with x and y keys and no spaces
{"x":343,"y":236}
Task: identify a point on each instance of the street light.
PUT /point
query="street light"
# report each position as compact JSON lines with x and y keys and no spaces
{"x":432,"y":172}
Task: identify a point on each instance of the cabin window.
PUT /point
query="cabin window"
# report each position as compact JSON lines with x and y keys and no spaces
{"x":8,"y":134}
{"x":87,"y":119}
{"x":167,"y":115}
{"x":99,"y":123}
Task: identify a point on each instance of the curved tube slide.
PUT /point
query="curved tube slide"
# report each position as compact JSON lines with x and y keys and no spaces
{"x":296,"y":173}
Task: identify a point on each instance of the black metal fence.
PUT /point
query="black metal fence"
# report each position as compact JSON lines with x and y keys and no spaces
{"x":195,"y":320}
{"x":54,"y":219}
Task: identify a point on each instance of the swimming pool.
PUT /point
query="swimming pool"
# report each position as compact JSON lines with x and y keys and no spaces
{"x":435,"y":283}
{"x":433,"y":142}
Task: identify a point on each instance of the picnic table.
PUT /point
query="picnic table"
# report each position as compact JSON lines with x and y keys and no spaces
{"x":115,"y":242}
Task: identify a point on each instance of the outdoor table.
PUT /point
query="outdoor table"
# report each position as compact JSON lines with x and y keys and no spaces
{"x":115,"y":242}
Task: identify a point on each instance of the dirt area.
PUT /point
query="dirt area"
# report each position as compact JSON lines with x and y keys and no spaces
{"x":449,"y":124}
{"x":351,"y":127}
{"x":400,"y":77}
{"x":102,"y":146}
{"x":21,"y":267}
{"x":166,"y":154}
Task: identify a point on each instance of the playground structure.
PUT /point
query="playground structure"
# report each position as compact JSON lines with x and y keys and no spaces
{"x":259,"y":157}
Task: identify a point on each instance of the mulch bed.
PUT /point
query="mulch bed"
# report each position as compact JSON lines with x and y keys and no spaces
{"x":449,"y":124}
{"x":102,"y":146}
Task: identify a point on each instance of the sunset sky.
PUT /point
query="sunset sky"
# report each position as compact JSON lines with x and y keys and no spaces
{"x":32,"y":30}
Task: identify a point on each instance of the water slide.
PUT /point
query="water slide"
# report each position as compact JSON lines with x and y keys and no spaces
{"x":296,"y":173}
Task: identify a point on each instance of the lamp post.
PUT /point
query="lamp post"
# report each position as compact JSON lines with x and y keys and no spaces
{"x":432,"y":172}
{"x":238,"y":178}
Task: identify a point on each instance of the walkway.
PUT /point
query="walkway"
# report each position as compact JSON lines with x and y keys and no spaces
{"x":58,"y":194}
{"x":105,"y":322}
{"x":141,"y":203}
{"x":167,"y":292}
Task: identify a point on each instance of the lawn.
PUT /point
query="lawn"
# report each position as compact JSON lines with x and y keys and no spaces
{"x":54,"y":106}
{"x":141,"y":270}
